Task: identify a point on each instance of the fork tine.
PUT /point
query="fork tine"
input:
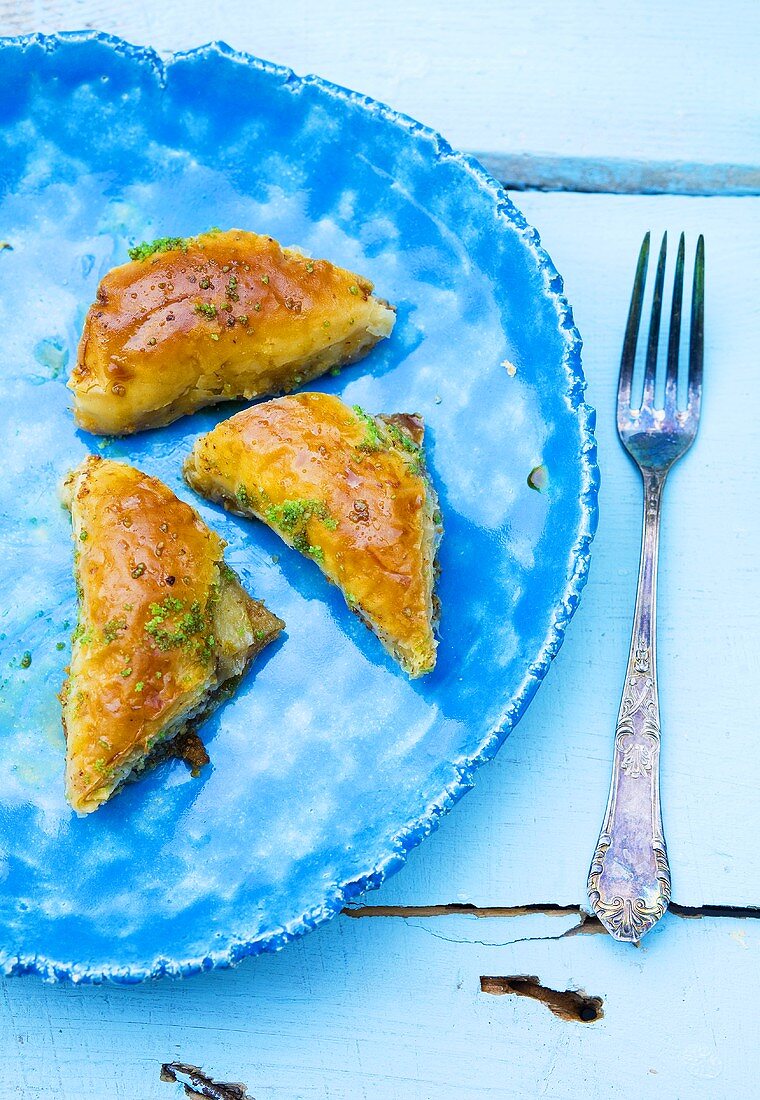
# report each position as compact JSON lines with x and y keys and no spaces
{"x":628,"y":357}
{"x":697,"y":335}
{"x":674,"y":338}
{"x":650,"y":368}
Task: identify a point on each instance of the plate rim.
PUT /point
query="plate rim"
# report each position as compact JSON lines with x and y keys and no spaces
{"x":415,"y":831}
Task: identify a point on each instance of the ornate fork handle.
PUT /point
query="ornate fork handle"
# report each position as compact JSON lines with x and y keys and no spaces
{"x":629,"y":880}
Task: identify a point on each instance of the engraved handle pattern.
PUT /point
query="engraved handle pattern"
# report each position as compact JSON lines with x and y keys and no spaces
{"x":629,"y":879}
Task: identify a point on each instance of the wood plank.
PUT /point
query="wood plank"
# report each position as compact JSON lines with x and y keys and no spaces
{"x":620,"y":176}
{"x":526,"y":833}
{"x":384,"y":1009}
{"x":670,"y":83}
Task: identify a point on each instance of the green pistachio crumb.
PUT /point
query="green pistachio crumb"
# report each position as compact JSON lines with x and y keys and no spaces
{"x":373,"y":437}
{"x":161,"y":244}
{"x":26,"y":659}
{"x":208,"y":309}
{"x":112,"y":629}
{"x":292,"y":517}
{"x":173,"y":625}
{"x":353,"y":290}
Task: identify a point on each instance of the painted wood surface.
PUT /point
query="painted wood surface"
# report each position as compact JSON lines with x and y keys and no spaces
{"x":390,"y":1007}
{"x":385,"y":1009}
{"x":656,"y":82}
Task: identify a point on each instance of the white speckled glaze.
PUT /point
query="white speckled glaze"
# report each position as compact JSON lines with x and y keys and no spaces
{"x":329,"y":765}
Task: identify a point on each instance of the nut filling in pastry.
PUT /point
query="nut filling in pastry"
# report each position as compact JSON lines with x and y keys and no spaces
{"x":346,"y":489}
{"x":165,"y":629}
{"x":218,"y":317}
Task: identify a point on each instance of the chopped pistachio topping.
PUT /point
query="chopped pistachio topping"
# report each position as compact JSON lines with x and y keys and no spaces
{"x":112,"y":629}
{"x":373,"y":437}
{"x":380,"y":436}
{"x":208,"y":309}
{"x":292,"y":515}
{"x":161,"y":244}
{"x":172,"y":625}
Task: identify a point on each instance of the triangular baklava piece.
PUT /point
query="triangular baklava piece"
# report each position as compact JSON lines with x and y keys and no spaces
{"x":346,"y":489}
{"x":194,"y":321}
{"x":164,"y":625}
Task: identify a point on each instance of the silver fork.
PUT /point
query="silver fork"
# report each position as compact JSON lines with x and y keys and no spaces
{"x":629,"y":879}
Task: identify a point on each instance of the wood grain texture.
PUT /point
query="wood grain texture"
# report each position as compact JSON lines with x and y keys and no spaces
{"x":670,"y":83}
{"x":393,"y":1010}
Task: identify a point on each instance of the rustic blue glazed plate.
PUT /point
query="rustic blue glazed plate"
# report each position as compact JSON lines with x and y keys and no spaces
{"x":329,"y":765}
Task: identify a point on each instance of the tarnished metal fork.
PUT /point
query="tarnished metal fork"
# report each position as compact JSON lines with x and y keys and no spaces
{"x":629,"y":879}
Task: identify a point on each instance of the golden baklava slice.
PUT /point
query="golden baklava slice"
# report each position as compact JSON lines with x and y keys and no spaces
{"x":165,"y":629}
{"x":193,"y":321}
{"x":348,"y":490}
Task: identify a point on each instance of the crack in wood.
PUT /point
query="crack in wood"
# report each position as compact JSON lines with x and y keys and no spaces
{"x":588,"y":923}
{"x":502,"y":943}
{"x":458,"y":908}
{"x":199,"y":1085}
{"x":567,"y":1004}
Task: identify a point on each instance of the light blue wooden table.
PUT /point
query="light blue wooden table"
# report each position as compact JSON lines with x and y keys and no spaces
{"x":398,"y":998}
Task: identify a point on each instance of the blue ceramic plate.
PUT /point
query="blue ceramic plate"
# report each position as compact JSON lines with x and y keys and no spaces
{"x":329,"y":765}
